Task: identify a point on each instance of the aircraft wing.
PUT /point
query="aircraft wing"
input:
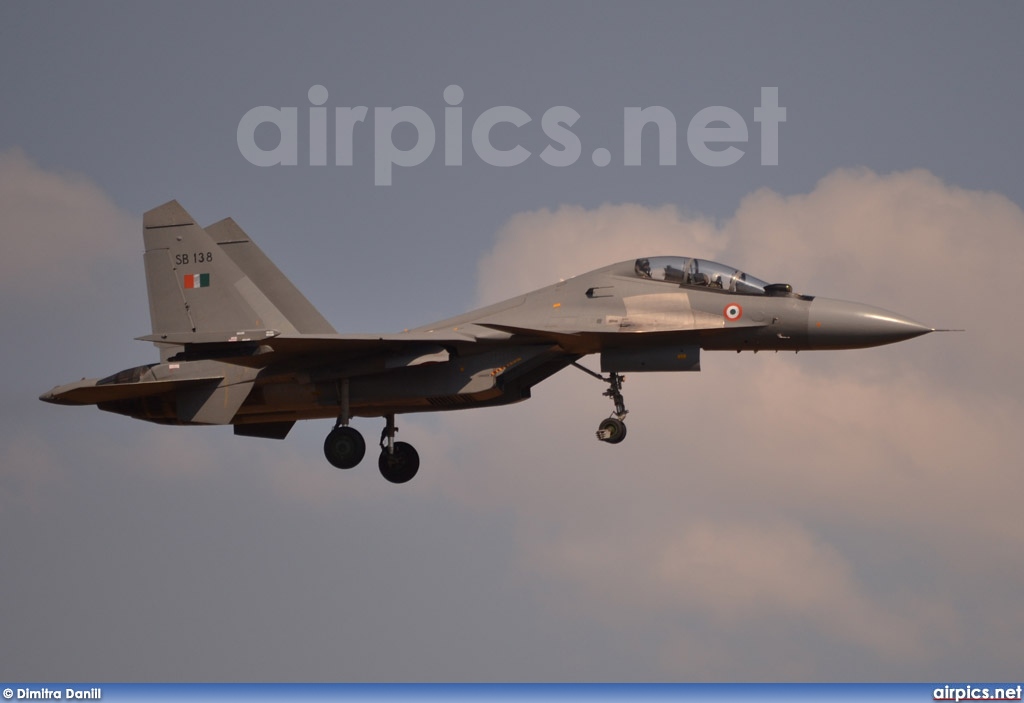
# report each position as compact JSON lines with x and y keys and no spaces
{"x":354,"y":344}
{"x":260,"y":348}
{"x":312,"y":342}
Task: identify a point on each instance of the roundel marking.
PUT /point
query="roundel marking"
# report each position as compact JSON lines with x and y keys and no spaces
{"x":733,"y":312}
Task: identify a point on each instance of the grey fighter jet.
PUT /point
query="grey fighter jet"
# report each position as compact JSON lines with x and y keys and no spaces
{"x":240,"y":345}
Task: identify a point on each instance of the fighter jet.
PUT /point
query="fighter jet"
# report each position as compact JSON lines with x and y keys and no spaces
{"x":240,"y":345}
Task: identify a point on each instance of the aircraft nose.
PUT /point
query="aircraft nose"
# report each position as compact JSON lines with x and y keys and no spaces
{"x":55,"y":396}
{"x":837,"y":324}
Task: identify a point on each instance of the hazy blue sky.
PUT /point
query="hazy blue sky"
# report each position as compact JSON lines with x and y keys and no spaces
{"x":850,"y":516}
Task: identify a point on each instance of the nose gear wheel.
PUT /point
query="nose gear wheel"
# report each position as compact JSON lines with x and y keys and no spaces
{"x":612,"y":429}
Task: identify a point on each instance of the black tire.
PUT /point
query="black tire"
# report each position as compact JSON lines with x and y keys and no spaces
{"x":615,"y":428}
{"x":344,"y":447}
{"x":401,"y":466}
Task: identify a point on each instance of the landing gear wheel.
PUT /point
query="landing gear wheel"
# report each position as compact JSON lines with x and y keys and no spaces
{"x":344,"y":447}
{"x":611,"y":430}
{"x":401,"y":465}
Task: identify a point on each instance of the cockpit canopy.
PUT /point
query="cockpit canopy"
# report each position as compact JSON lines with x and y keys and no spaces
{"x":685,"y":271}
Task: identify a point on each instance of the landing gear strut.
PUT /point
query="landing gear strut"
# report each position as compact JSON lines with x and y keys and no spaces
{"x":344,"y":446}
{"x":612,"y":429}
{"x":398,"y":461}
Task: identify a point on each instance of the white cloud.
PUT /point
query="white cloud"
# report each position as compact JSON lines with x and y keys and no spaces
{"x":764,"y":511}
{"x":536,"y":248}
{"x":737,"y":574}
{"x":57,"y":229}
{"x":828,"y":494}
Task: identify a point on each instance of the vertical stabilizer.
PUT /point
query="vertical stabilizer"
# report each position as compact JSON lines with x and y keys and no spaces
{"x":234,"y":242}
{"x":194,"y":287}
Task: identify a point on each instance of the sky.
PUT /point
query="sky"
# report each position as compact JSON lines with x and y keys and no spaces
{"x":849,"y":516}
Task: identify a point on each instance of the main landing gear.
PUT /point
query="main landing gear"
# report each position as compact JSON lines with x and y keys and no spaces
{"x":612,"y":429}
{"x":398,"y":461}
{"x":345,"y":447}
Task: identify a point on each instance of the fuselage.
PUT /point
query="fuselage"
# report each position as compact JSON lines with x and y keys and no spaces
{"x":634,"y":319}
{"x":240,"y":345}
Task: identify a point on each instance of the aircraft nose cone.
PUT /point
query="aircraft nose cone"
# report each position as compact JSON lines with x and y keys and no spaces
{"x":55,"y":395}
{"x":837,"y":324}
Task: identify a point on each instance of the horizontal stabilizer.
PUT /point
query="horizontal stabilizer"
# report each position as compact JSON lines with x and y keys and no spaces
{"x":87,"y":392}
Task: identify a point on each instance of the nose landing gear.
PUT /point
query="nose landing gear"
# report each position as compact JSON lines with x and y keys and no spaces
{"x":612,"y":429}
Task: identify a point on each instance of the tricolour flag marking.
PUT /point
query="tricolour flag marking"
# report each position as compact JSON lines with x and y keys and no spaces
{"x":197,"y":280}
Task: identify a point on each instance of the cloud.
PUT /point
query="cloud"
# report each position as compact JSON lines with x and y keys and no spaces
{"x":535,"y":248}
{"x":60,"y":229}
{"x":737,"y":574}
{"x":897,"y":234}
{"x":841,"y":515}
{"x":825,"y":494}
